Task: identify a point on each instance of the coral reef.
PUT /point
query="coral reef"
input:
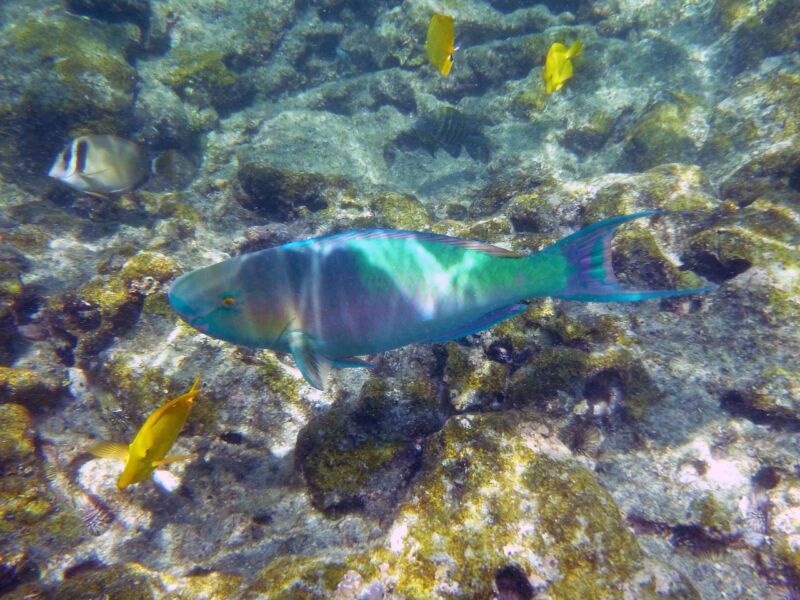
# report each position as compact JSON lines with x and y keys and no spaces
{"x":577,"y":450}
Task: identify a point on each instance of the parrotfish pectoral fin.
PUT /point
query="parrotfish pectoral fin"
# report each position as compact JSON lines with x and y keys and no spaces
{"x":484,"y":322}
{"x":113,"y":450}
{"x":312,"y":364}
{"x":591,"y":276}
{"x":351,"y":362}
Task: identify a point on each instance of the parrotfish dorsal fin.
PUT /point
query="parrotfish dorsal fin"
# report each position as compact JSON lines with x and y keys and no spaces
{"x":113,"y":450}
{"x":421,"y":236}
{"x":312,"y":365}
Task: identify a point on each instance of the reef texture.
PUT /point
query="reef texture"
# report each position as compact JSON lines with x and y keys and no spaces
{"x":643,"y":450}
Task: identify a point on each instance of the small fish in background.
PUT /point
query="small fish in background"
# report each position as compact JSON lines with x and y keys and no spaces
{"x":149,"y":448}
{"x":447,"y":128}
{"x":558,"y":65}
{"x":440,"y":43}
{"x":329,"y":300}
{"x":107,"y":164}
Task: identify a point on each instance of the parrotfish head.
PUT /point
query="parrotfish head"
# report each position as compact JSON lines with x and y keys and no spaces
{"x":218,"y":300}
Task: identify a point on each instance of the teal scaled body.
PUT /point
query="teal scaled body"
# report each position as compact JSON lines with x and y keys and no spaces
{"x":329,"y":300}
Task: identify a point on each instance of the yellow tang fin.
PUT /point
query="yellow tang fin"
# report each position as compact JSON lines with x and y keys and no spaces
{"x":440,"y":43}
{"x":575,"y":49}
{"x":175,"y":458}
{"x":113,"y":450}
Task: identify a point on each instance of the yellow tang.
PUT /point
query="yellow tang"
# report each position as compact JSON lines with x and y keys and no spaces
{"x":149,"y":448}
{"x":558,"y":65}
{"x":440,"y":43}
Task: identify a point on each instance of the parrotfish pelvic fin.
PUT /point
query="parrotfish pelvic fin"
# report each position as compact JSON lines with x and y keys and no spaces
{"x":484,"y":322}
{"x":313,"y":365}
{"x":351,"y":362}
{"x":591,"y":275}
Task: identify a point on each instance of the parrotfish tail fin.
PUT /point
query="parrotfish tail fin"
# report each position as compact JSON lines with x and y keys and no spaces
{"x":575,"y":49}
{"x":590,"y":274}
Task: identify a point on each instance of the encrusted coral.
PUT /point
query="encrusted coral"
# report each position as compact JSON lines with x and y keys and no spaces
{"x":400,"y":211}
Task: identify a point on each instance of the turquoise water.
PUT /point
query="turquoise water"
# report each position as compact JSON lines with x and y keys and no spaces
{"x":577,"y":450}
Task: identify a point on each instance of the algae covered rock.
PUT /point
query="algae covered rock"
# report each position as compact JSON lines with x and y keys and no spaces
{"x":36,"y":389}
{"x":665,"y":133}
{"x":70,"y":75}
{"x":556,"y":379}
{"x":546,"y":516}
{"x":283,"y":194}
{"x":15,"y":442}
{"x":114,"y":11}
{"x":362,"y":458}
{"x":400,"y":211}
{"x":203,"y":77}
{"x":86,"y":321}
{"x":760,"y":234}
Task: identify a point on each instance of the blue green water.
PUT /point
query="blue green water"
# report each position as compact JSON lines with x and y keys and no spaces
{"x":578,"y":450}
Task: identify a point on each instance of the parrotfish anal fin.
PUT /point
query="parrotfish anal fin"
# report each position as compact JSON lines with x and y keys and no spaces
{"x":481,"y":323}
{"x":421,"y":236}
{"x":351,"y":362}
{"x":113,"y":450}
{"x":312,"y":365}
{"x":171,"y":459}
{"x":590,"y":273}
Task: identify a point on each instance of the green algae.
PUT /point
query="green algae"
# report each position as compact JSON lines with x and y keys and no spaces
{"x":202,"y":77}
{"x":548,"y":375}
{"x":34,"y":389}
{"x":275,"y":377}
{"x":775,"y":392}
{"x":15,"y":440}
{"x":489,"y":230}
{"x":400,"y":211}
{"x":119,"y":581}
{"x":138,"y":390}
{"x":360,"y":457}
{"x":80,"y":51}
{"x":482,"y":473}
{"x":591,"y":136}
{"x":761,"y":233}
{"x":554,"y":370}
{"x":286,"y":194}
{"x":472,"y":384}
{"x":711,"y":515}
{"x":528,"y":212}
{"x":116,"y":301}
{"x":298,"y":577}
{"x":663,"y":134}
{"x":206,"y":67}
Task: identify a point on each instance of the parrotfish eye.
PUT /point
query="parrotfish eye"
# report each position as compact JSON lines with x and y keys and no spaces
{"x":228,"y":301}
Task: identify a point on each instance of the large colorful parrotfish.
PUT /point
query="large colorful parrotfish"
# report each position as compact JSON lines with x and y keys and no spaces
{"x":329,"y":300}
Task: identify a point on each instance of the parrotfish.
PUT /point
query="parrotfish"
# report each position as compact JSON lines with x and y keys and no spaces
{"x":150,"y":446}
{"x":558,"y":65}
{"x":440,"y":43}
{"x":332,"y":299}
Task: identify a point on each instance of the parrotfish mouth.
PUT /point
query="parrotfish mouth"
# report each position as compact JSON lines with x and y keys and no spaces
{"x":185,"y":310}
{"x":199,"y":324}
